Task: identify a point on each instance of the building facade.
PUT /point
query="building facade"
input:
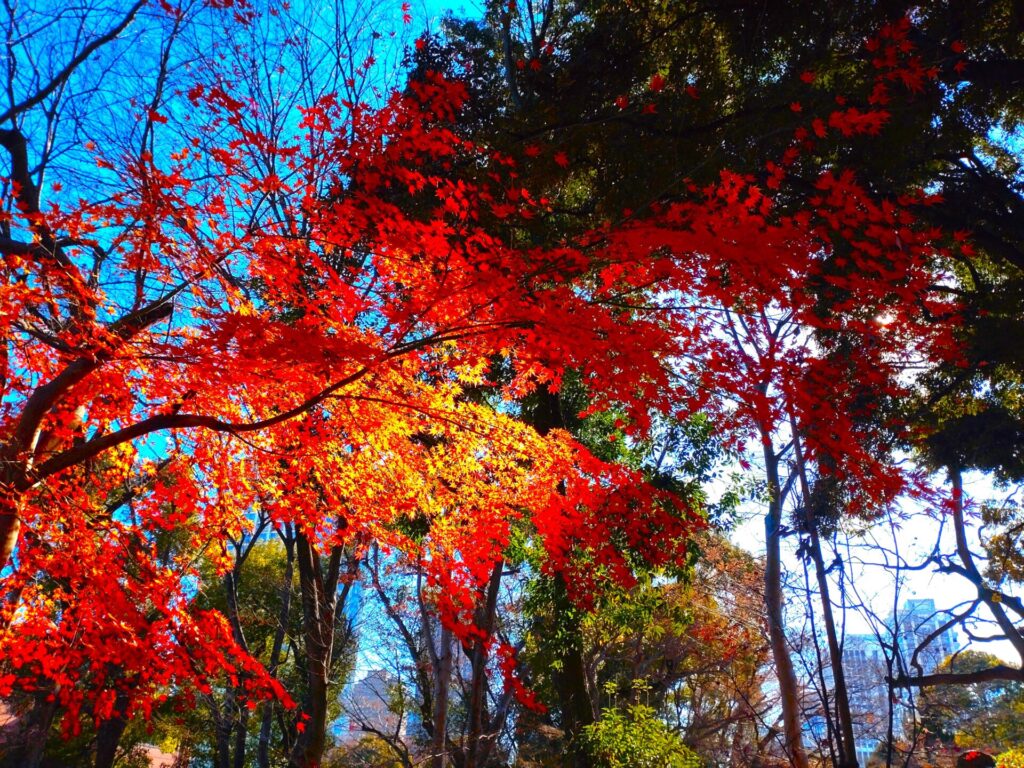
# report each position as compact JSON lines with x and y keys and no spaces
{"x":917,"y":626}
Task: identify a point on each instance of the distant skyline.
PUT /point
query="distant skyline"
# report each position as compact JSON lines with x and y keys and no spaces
{"x":875,"y":584}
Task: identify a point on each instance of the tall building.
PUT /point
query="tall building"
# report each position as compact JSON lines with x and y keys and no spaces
{"x":370,"y":707}
{"x":917,"y":620}
{"x":866,"y":669}
{"x":866,"y":664}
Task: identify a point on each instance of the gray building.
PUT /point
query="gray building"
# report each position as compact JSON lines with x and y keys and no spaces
{"x":865,"y":660}
{"x":917,"y":621}
{"x":370,"y":707}
{"x":866,"y":669}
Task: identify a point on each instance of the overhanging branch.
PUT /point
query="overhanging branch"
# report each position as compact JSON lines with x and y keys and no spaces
{"x":998,"y":672}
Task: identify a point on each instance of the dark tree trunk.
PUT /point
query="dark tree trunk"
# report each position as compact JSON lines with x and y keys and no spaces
{"x":33,"y":734}
{"x":320,"y":607}
{"x":442,"y":685}
{"x":845,"y":743}
{"x":222,"y":727}
{"x":484,"y":620}
{"x":847,"y":751}
{"x":789,"y":690}
{"x":241,"y":732}
{"x":10,"y":512}
{"x":109,"y":733}
{"x":266,"y":723}
{"x":570,"y":680}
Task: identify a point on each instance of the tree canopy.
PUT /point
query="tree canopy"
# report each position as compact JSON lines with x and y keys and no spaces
{"x":279,"y":331}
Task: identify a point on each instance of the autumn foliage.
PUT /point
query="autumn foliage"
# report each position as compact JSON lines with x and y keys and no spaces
{"x":328,"y":345}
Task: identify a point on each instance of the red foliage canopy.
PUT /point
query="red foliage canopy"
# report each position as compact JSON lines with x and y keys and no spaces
{"x":303,"y":343}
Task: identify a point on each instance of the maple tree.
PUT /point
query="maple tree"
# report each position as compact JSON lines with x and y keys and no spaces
{"x":723,"y":98}
{"x":291,"y":315}
{"x":289,"y":369}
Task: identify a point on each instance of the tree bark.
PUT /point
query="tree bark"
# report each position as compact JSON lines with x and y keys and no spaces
{"x":478,"y":689}
{"x":570,"y":682}
{"x":222,"y":731}
{"x":318,"y":632}
{"x":320,"y":606}
{"x":442,"y":685}
{"x":10,"y":516}
{"x":32,"y":736}
{"x":570,"y":679}
{"x":241,"y":732}
{"x":266,"y":724}
{"x":846,"y":744}
{"x":109,"y":733}
{"x":789,"y":691}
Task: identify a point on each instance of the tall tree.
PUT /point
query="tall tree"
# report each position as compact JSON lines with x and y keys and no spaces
{"x":286,"y":304}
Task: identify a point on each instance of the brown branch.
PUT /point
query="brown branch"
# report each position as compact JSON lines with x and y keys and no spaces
{"x":998,"y":672}
{"x":45,"y":396}
{"x":97,"y":445}
{"x":61,"y":77}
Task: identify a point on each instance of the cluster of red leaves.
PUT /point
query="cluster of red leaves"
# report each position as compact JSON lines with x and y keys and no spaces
{"x":363,"y":333}
{"x":811,"y":316}
{"x":508,"y":665}
{"x":338,"y":337}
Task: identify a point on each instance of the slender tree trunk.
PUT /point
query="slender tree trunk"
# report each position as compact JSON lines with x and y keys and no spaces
{"x":992,"y":600}
{"x":235,"y":717}
{"x":846,"y":744}
{"x":241,"y":732}
{"x":478,"y":688}
{"x":509,"y":63}
{"x":321,"y":605}
{"x":789,"y":691}
{"x":222,"y":727}
{"x":318,"y":632}
{"x":266,"y":724}
{"x":442,"y":685}
{"x":834,"y":746}
{"x":266,"y":731}
{"x":570,"y":680}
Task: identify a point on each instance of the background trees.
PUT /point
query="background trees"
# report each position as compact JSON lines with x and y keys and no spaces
{"x":536,"y":70}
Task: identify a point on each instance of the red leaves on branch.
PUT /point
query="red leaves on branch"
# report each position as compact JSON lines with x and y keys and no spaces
{"x":301,"y":340}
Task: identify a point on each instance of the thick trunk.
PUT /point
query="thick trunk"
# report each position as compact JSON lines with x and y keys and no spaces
{"x":10,"y":529}
{"x":33,"y":735}
{"x":310,"y":745}
{"x":320,"y":607}
{"x":10,"y":516}
{"x":108,"y":735}
{"x":789,"y":691}
{"x":33,"y":731}
{"x":570,"y":680}
{"x":318,"y":632}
